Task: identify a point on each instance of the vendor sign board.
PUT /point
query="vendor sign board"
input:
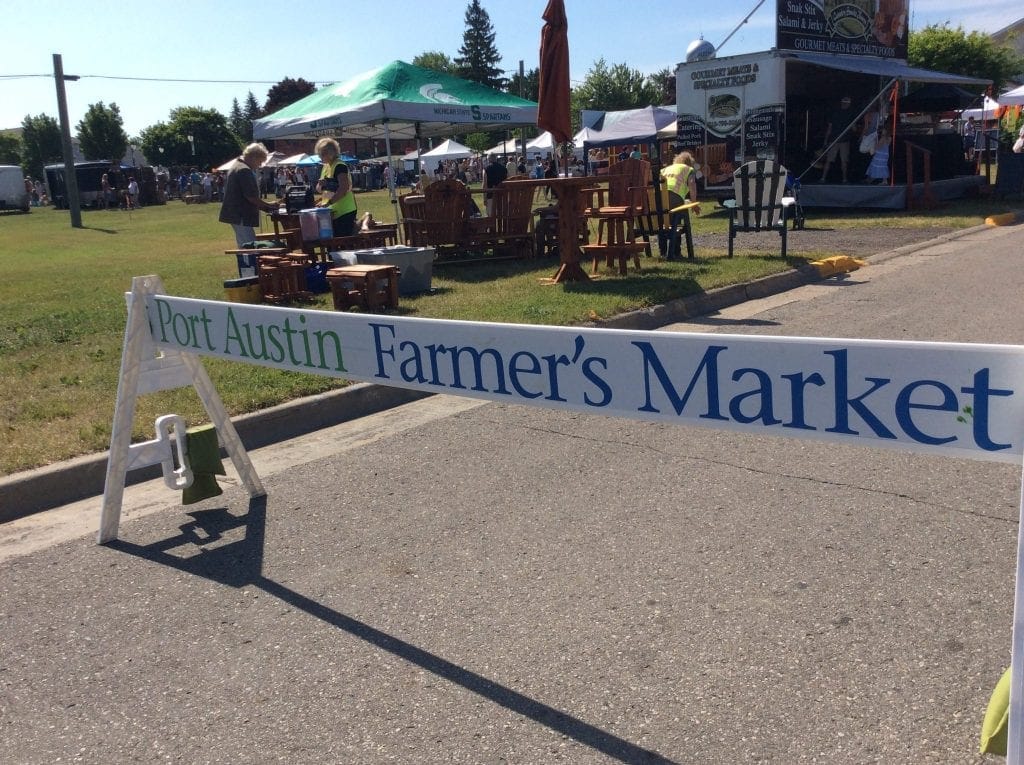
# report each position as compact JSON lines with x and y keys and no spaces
{"x":959,"y":400}
{"x":730,"y":110}
{"x":850,"y":27}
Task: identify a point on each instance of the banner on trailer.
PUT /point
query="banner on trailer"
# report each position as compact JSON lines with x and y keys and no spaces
{"x":851,"y":27}
{"x":960,"y":400}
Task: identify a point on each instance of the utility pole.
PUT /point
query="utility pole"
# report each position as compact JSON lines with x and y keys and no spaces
{"x":70,"y":179}
{"x":522,"y":130}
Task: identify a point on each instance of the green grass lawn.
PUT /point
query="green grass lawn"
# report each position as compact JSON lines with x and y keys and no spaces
{"x":63,"y":311}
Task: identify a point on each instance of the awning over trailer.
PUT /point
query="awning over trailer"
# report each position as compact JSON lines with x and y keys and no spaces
{"x":882,"y":68}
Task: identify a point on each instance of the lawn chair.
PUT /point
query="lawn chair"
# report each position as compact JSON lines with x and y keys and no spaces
{"x":443,"y":225}
{"x":760,"y":204}
{"x":511,"y":224}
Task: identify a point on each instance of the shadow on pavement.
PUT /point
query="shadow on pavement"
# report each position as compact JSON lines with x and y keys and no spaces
{"x":240,"y":564}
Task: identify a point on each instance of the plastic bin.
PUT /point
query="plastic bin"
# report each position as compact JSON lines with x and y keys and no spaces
{"x":316,"y":277}
{"x":415,"y":265}
{"x":316,"y":223}
{"x":244,"y":290}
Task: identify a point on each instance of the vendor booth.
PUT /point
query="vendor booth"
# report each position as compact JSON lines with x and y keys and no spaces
{"x":779,"y":104}
{"x":442,"y":153}
{"x":401,"y":101}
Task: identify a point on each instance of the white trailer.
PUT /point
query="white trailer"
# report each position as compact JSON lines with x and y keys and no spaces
{"x":13,"y":195}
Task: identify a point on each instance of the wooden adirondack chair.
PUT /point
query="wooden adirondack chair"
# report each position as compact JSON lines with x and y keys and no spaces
{"x":511,"y":223}
{"x":760,"y":204}
{"x":443,"y":225}
{"x":412,"y":208}
{"x":625,"y":198}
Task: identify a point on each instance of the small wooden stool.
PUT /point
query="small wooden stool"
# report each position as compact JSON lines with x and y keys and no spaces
{"x":370,"y":288}
{"x":283,"y":278}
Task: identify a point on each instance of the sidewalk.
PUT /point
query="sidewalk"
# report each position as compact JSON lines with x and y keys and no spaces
{"x":34,"y":491}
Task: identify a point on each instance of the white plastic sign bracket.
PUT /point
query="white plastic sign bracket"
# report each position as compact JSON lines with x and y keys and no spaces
{"x":145,"y":369}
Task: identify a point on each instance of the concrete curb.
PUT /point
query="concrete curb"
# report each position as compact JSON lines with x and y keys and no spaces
{"x":34,"y":491}
{"x":58,"y":484}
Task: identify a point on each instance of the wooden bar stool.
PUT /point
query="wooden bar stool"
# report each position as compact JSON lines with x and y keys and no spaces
{"x":615,"y":242}
{"x":369,"y":288}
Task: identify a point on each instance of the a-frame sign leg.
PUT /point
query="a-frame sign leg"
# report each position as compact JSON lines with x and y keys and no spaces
{"x":145,"y":369}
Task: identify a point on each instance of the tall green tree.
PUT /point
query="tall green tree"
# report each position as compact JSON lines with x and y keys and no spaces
{"x":664,"y":83}
{"x":212,"y":140}
{"x":612,"y":88}
{"x":101,"y":133}
{"x":236,"y":120}
{"x":527,"y":86}
{"x":973,"y":54}
{"x":478,"y":57}
{"x":251,"y":111}
{"x":435,"y":61}
{"x":41,"y":144}
{"x":286,"y":92}
{"x":10,"y":149}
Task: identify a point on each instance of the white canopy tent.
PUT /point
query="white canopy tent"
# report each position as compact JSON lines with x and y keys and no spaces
{"x":294,"y":159}
{"x":1013,"y":97}
{"x":986,"y":111}
{"x":511,"y":146}
{"x":444,"y":151}
{"x":544,"y":144}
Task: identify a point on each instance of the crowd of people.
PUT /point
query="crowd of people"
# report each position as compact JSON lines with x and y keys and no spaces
{"x":36,"y":191}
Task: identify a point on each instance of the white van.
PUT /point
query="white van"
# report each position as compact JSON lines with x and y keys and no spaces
{"x":12,"y":189}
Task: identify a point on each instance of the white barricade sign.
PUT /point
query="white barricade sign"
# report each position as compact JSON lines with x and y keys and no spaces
{"x":947,"y":398}
{"x":957,"y":399}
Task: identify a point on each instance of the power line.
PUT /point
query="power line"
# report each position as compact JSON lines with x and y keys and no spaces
{"x":155,"y":79}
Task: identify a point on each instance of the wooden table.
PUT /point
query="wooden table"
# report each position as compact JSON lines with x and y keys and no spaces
{"x":284,"y":221}
{"x":571,"y":204}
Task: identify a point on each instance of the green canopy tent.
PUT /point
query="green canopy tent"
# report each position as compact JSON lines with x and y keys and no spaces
{"x":398,"y":100}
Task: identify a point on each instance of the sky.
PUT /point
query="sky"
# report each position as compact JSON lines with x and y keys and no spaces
{"x":130,"y":53}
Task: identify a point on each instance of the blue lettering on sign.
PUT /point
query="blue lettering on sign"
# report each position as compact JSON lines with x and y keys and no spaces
{"x":854,"y":402}
{"x":832,"y":399}
{"x":486,"y":370}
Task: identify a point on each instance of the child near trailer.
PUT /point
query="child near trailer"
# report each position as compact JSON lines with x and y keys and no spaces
{"x":878,"y":168}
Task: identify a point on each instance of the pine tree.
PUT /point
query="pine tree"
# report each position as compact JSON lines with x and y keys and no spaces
{"x":478,"y":58}
{"x":237,"y":121}
{"x":251,"y":112}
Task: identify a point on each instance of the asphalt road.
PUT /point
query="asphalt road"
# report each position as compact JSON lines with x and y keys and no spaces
{"x":453,"y":581}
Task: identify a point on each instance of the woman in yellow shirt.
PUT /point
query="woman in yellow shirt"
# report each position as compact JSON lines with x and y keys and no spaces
{"x":335,"y":188}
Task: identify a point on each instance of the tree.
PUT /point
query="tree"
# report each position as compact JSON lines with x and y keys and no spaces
{"x":478,"y":141}
{"x":609,"y":89}
{"x":250,"y":112}
{"x":528,"y":86}
{"x":286,"y":92}
{"x":236,"y":120}
{"x":213,"y":141}
{"x":478,"y":58}
{"x":101,"y":133}
{"x":41,"y":144}
{"x":436,"y":61}
{"x":664,"y":82}
{"x":10,"y":149}
{"x":973,"y":54}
